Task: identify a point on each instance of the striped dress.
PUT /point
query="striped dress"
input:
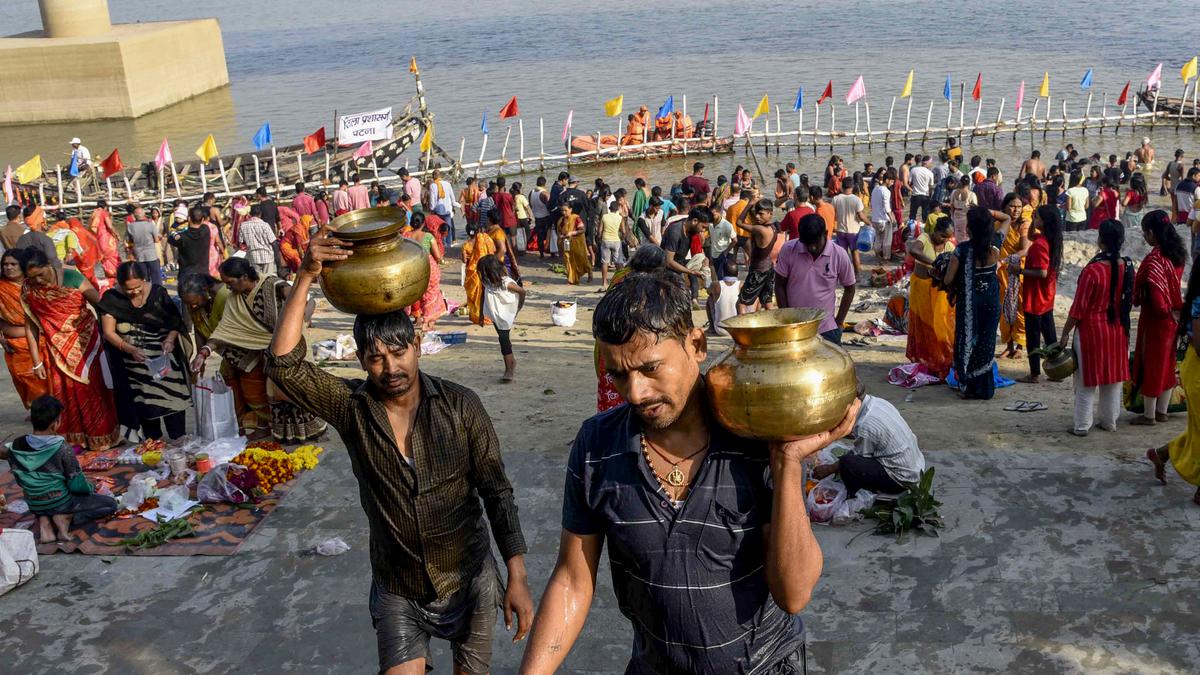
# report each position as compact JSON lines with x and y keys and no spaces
{"x":1104,"y":344}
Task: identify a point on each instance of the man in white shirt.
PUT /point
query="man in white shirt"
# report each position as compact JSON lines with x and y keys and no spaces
{"x":850,"y":213}
{"x":80,"y":153}
{"x":882,"y":218}
{"x":920,"y":179}
{"x":442,"y":203}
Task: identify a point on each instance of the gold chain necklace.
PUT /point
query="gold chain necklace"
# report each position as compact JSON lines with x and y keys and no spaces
{"x":675,"y":477}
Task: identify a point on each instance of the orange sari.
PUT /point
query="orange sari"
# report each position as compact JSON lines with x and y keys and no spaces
{"x":295,"y":243}
{"x":18,"y":357}
{"x":472,"y":251}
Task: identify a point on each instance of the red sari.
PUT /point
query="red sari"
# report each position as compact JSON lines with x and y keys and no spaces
{"x":1104,"y":343}
{"x":1156,"y":289}
{"x":87,"y":258}
{"x":69,"y":336}
{"x":432,"y":305}
{"x":106,"y":236}
{"x":294,"y":243}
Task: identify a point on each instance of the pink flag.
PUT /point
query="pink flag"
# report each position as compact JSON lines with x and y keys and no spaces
{"x":567,"y":126}
{"x":163,"y":157}
{"x":742,"y":124}
{"x":1155,"y":79}
{"x":9,"y":197}
{"x":857,"y":91}
{"x":1021,"y":95}
{"x":363,"y":150}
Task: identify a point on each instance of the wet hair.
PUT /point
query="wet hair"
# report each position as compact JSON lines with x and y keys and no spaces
{"x":196,"y":214}
{"x":131,"y":269}
{"x":12,"y":211}
{"x":1112,"y":238}
{"x":800,"y":194}
{"x":652,"y":303}
{"x":393,"y":329}
{"x":811,"y":228}
{"x":196,"y":284}
{"x":238,"y":268}
{"x":1053,"y":232}
{"x":32,"y":257}
{"x":979,"y":226}
{"x":1158,"y":223}
{"x":492,"y":270}
{"x":648,"y":258}
{"x":44,"y":411}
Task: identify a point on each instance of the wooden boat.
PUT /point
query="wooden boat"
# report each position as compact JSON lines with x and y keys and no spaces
{"x":1169,"y":107}
{"x":610,"y":148}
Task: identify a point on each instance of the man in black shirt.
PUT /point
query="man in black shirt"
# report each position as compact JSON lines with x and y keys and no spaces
{"x":556,"y":192}
{"x":192,"y":246}
{"x":270,"y":210}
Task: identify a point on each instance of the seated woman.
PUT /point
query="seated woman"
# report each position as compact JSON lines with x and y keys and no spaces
{"x":55,"y":487}
{"x":886,"y":457}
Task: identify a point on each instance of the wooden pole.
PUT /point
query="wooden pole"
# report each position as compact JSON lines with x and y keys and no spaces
{"x":799,"y":129}
{"x":816,"y":125}
{"x":128,"y":187}
{"x":161,"y":186}
{"x":949,"y":114}
{"x":978,"y":112}
{"x":521,"y":141}
{"x":928,"y":120}
{"x":327,"y":163}
{"x":907,"y":119}
{"x":58,"y":173}
{"x":832,"y":123}
{"x":1195,"y":101}
{"x":257,"y":173}
{"x":867,"y":110}
{"x":1121,"y":118}
{"x":504,"y":148}
{"x":999,"y":115}
{"x":224,"y":178}
{"x":1033,"y":119}
{"x":203,"y":178}
{"x":1182,"y":102}
{"x":645,"y":136}
{"x":300,"y":165}
{"x":541,"y":145}
{"x":375,"y":166}
{"x":778,"y":130}
{"x":597,"y":144}
{"x":1064,"y":117}
{"x":887,"y":136}
{"x":1153,"y":111}
{"x":108,"y":186}
{"x":482,"y":149}
{"x":716,"y":117}
{"x":962,"y":104}
{"x":1103,"y":112}
{"x":766,"y":136}
{"x":854,"y":138}
{"x":175,"y":180}
{"x":462,"y":148}
{"x":1087,"y":112}
{"x":274,"y":168}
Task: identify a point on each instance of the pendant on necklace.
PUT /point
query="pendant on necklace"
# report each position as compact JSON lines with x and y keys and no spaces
{"x":676,"y":478}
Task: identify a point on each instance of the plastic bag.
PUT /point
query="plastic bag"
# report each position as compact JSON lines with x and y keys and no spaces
{"x":222,"y":450}
{"x":866,"y":238}
{"x":849,"y":510}
{"x":215,"y":414}
{"x":215,"y":487}
{"x":330,"y":547}
{"x":18,"y":558}
{"x":173,"y":498}
{"x":563,"y":314}
{"x":141,"y":488}
{"x":823,"y":500}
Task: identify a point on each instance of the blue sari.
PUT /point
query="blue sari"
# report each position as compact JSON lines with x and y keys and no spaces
{"x":977,"y":319}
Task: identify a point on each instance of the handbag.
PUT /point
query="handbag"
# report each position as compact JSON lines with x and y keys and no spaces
{"x":216,"y":416}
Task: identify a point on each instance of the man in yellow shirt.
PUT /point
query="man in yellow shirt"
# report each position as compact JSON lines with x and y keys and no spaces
{"x":733,"y":213}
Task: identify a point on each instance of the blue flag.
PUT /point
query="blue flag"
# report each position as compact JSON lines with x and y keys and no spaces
{"x":667,"y":108}
{"x":74,"y":170}
{"x":799,"y":99}
{"x":483,"y":124}
{"x":1086,"y":82}
{"x":946,"y":89}
{"x":262,"y":137}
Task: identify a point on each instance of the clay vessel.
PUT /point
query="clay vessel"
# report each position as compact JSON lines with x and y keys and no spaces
{"x":387,"y":271}
{"x":781,"y":381}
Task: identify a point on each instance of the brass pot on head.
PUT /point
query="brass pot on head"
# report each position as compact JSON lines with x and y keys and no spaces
{"x":781,"y":381}
{"x":387,"y":270}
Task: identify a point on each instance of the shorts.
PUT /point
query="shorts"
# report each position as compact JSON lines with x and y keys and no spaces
{"x":758,"y":286}
{"x":465,"y":618}
{"x":846,"y":240}
{"x":610,"y":253}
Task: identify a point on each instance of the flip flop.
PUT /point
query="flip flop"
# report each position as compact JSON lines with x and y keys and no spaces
{"x":1016,"y":407}
{"x":1034,"y":406}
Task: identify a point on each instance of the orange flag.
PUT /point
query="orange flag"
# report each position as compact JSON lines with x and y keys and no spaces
{"x":977,"y":92}
{"x":112,"y":164}
{"x":412,"y":65}
{"x":510,"y":109}
{"x":314,"y":141}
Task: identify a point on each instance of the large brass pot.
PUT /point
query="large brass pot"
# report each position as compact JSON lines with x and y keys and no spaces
{"x":781,"y":381}
{"x":387,"y":270}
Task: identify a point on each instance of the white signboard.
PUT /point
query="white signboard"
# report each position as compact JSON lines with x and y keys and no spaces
{"x":362,"y":127}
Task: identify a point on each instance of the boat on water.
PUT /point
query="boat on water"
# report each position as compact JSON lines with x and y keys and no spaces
{"x":1166,"y":106}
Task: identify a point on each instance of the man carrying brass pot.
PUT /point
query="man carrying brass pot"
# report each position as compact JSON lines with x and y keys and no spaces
{"x":712,"y":553}
{"x":425,"y":453}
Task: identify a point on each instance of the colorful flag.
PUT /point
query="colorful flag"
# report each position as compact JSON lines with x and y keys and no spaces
{"x":666,"y":109}
{"x":1086,"y":82}
{"x":612,"y":107}
{"x":828,"y":93}
{"x":567,"y":125}
{"x":977,"y":90}
{"x":764,"y":107}
{"x":412,"y":66}
{"x":207,"y":149}
{"x":363,"y":150}
{"x":1021,"y":95}
{"x":314,"y":141}
{"x":946,"y":89}
{"x":907,"y":90}
{"x":1124,"y":95}
{"x":799,"y":100}
{"x":427,"y":140}
{"x":509,"y":109}
{"x":29,"y":171}
{"x":9,"y":193}
{"x":857,"y":91}
{"x":1044,"y":90}
{"x":742,"y":124}
{"x":112,"y":164}
{"x":483,"y":125}
{"x":1188,"y":71}
{"x":1154,"y":81}
{"x":164,"y":157}
{"x":262,"y":137}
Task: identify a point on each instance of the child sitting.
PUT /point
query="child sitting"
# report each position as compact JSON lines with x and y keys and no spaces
{"x":55,"y":487}
{"x":502,"y":299}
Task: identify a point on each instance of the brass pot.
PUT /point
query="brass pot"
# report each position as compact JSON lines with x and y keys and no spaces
{"x":387,"y":271}
{"x":781,"y":381}
{"x":1059,"y":363}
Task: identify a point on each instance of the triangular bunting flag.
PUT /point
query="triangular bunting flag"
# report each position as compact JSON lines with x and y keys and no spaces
{"x":262,"y":137}
{"x":764,"y":107}
{"x":1124,"y":95}
{"x":857,"y":91}
{"x":363,"y":150}
{"x":207,"y":149}
{"x":164,"y":157}
{"x":977,"y":90}
{"x":112,"y":164}
{"x":799,"y":104}
{"x":1044,"y":90}
{"x":412,"y":66}
{"x":612,"y":107}
{"x":1086,"y":82}
{"x":1154,"y":81}
{"x":742,"y":123}
{"x":509,"y":109}
{"x":29,"y":171}
{"x":667,"y":108}
{"x":907,"y":90}
{"x":427,"y":140}
{"x":567,"y":125}
{"x":828,"y":93}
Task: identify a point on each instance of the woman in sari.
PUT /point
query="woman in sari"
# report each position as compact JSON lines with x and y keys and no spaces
{"x":13,"y":338}
{"x":1012,"y":319}
{"x":88,"y":257}
{"x":101,"y":226}
{"x":242,"y":336}
{"x":1156,"y":289}
{"x":432,"y":304}
{"x":972,"y":273}
{"x":473,"y":250}
{"x":142,"y":323}
{"x":1184,"y":452}
{"x":571,"y":230}
{"x":930,"y":316}
{"x":62,"y":328}
{"x":294,"y":242}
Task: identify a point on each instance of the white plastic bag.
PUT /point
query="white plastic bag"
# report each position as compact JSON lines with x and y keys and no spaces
{"x":223,"y":450}
{"x":335,"y":546}
{"x":18,"y":558}
{"x":563,"y":315}
{"x":849,"y":510}
{"x":215,"y":413}
{"x":823,"y":500}
{"x":215,"y":487}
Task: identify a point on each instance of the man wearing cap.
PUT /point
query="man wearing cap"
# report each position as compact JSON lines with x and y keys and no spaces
{"x":81,"y":157}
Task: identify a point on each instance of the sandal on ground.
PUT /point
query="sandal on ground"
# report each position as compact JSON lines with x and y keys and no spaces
{"x":1033,"y":406}
{"x":1162,"y":417}
{"x":1016,"y":407}
{"x":1142,"y":421}
{"x":1160,"y":467}
{"x":1081,"y":434}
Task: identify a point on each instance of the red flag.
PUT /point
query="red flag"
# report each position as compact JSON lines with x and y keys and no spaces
{"x":510,"y":109}
{"x":828,"y":93}
{"x":112,"y":164}
{"x":1124,"y":95}
{"x":314,"y":141}
{"x":977,"y":92}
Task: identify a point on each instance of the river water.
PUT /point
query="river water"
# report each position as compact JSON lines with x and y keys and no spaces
{"x":293,"y":62}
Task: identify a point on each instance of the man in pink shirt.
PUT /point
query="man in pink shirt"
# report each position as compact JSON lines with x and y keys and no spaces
{"x":412,"y":186}
{"x":303,"y":202}
{"x":808,"y":272}
{"x":341,"y":199}
{"x":360,"y":196}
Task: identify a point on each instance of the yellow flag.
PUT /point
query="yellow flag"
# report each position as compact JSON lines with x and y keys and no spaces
{"x":612,"y":107}
{"x":207,"y":149}
{"x":764,"y":107}
{"x":427,"y":140}
{"x":412,"y":65}
{"x":1045,"y":90}
{"x":1189,"y":70}
{"x":908,"y":85}
{"x":29,"y":171}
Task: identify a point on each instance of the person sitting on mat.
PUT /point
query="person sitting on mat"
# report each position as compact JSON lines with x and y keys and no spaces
{"x":886,"y":457}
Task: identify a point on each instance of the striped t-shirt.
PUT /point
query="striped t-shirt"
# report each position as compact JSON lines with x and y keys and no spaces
{"x":881,"y":433}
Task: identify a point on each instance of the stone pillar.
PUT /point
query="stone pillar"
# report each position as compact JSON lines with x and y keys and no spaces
{"x":74,"y":18}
